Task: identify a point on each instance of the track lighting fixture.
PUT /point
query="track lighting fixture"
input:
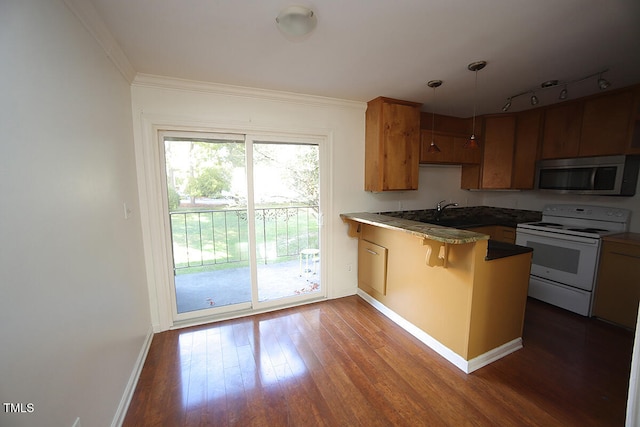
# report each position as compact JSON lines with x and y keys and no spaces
{"x":433,"y":148}
{"x":564,"y":93}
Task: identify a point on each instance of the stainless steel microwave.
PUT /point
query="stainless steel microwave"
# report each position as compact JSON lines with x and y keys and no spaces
{"x":603,"y":175}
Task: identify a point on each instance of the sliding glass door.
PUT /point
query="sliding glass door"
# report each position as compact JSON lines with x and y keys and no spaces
{"x":244,"y":214}
{"x":286,"y":216}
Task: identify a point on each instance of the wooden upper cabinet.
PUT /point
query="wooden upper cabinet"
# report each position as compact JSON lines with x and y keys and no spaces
{"x":601,"y":125}
{"x":634,"y":126}
{"x":605,"y":124}
{"x":451,"y":147}
{"x":510,"y":146}
{"x":450,"y":135}
{"x":562,"y":126}
{"x":392,"y":145}
{"x":526,"y":149}
{"x":497,"y":162}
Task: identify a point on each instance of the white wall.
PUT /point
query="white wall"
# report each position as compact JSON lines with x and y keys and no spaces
{"x":74,"y":312}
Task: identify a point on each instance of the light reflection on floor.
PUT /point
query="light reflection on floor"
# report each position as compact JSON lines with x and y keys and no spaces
{"x":236,"y":357}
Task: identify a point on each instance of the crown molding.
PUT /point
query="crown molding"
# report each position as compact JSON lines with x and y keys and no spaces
{"x":91,"y":20}
{"x":161,"y":82}
{"x":88,"y":16}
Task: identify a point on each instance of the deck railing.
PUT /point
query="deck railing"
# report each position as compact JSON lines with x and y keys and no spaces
{"x":210,"y":237}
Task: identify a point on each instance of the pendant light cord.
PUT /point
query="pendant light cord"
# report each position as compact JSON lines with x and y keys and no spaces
{"x":433,"y":148}
{"x":475,"y":101}
{"x":433,"y":116}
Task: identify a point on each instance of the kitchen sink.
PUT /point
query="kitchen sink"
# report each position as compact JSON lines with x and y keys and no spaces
{"x":457,"y":222}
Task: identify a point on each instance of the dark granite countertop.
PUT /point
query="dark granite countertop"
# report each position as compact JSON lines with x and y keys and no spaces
{"x":469,"y":217}
{"x":476,"y":216}
{"x":497,"y":250}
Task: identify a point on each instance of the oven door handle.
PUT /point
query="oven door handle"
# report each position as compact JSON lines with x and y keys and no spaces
{"x":557,"y":237}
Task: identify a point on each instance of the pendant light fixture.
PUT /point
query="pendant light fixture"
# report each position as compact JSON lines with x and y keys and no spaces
{"x":472,"y":143}
{"x":433,"y":148}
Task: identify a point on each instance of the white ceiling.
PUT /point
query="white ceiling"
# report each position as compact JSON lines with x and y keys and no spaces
{"x":362,"y":49}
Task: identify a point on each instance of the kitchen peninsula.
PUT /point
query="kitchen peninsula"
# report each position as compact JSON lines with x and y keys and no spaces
{"x":457,"y":291}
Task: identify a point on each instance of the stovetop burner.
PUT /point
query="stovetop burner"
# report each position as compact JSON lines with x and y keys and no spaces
{"x":580,"y":220}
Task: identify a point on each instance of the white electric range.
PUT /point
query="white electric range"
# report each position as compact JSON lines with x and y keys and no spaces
{"x":566,"y":251}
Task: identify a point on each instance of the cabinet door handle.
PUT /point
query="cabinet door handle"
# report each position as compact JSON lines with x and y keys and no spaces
{"x":372,"y":252}
{"x":623,"y":254}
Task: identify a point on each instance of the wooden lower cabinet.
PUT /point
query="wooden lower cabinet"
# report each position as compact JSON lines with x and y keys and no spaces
{"x":471,"y":307}
{"x":618,"y":286}
{"x":372,"y":267}
{"x":497,"y":232}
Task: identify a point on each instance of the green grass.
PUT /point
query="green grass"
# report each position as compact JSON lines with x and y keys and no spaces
{"x":219,"y":238}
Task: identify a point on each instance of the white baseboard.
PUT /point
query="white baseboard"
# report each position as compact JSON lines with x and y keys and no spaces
{"x":467,"y":366}
{"x":121,"y":412}
{"x":493,"y":355}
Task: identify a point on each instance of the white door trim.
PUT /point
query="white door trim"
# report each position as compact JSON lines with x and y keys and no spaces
{"x":156,"y":234}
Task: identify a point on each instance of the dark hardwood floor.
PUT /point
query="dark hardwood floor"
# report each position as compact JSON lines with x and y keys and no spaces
{"x":340,"y":362}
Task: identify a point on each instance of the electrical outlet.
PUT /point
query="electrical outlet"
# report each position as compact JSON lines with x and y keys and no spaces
{"x":349,"y":267}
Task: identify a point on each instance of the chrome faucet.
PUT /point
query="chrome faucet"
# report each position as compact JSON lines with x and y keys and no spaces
{"x":440,"y":208}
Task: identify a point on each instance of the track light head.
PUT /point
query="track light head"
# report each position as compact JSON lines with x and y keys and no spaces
{"x":507,"y":105}
{"x":603,"y":83}
{"x":563,"y":93}
{"x":534,"y":99}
